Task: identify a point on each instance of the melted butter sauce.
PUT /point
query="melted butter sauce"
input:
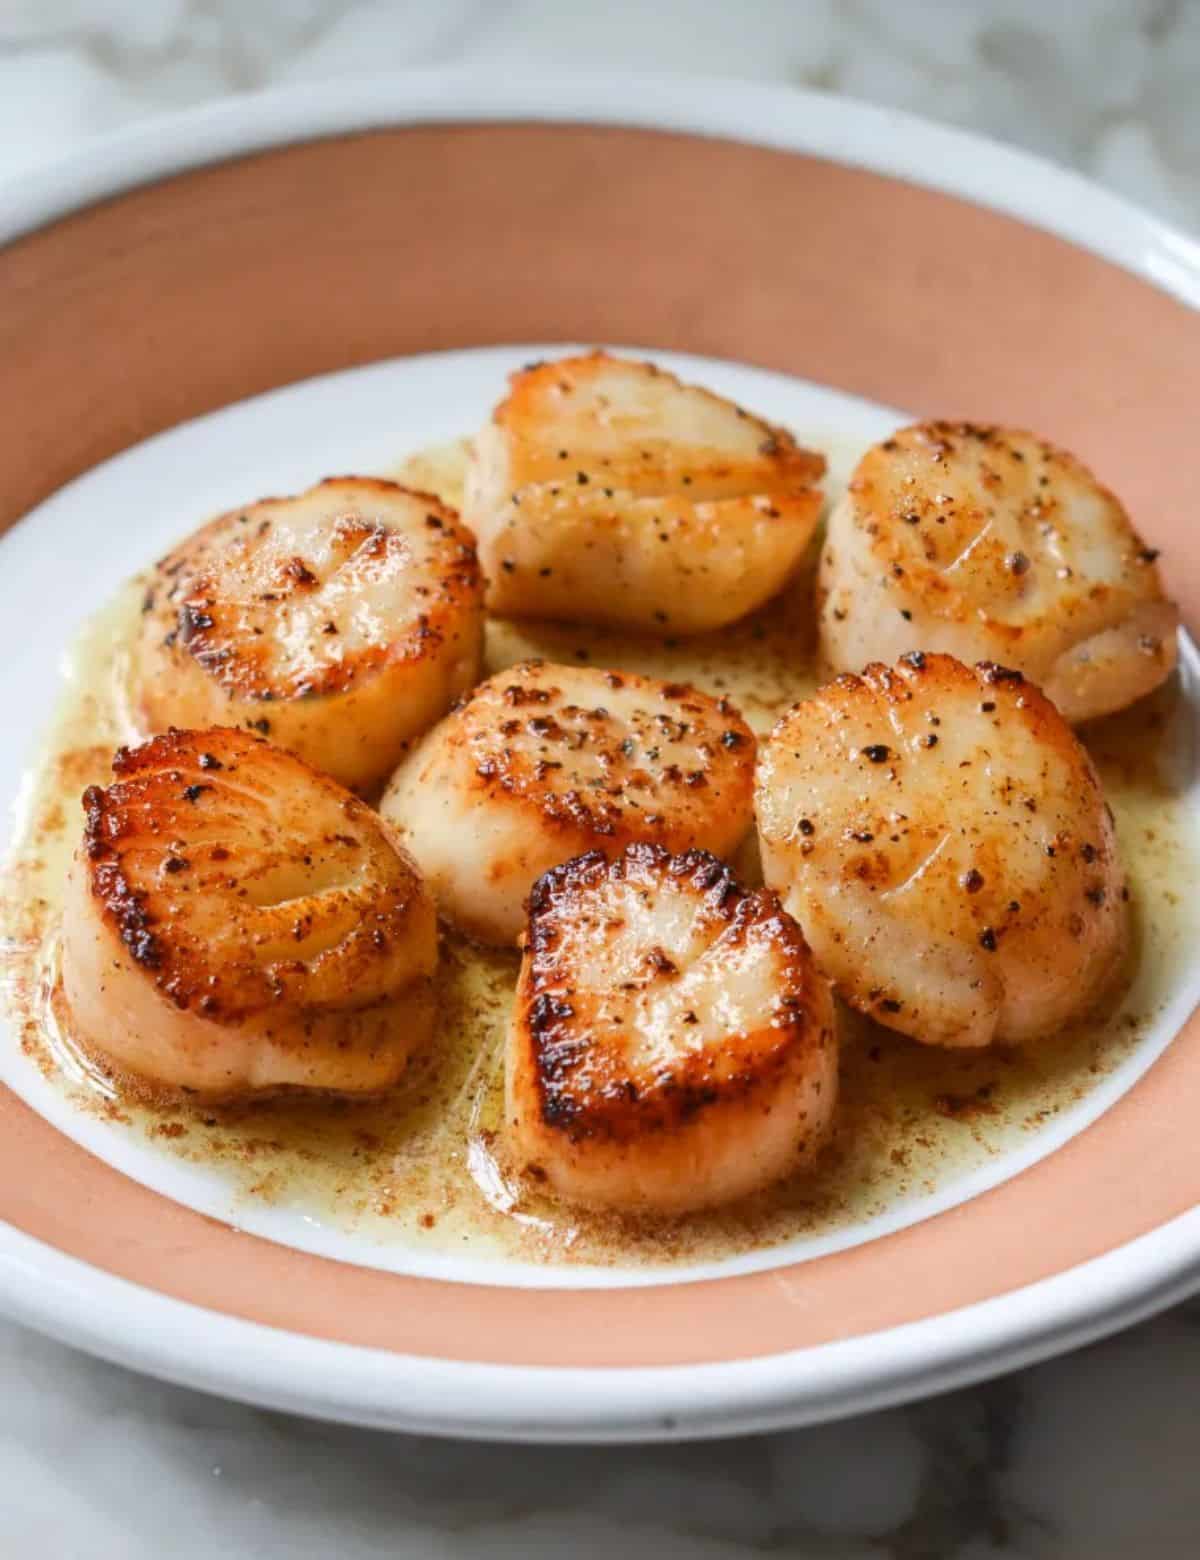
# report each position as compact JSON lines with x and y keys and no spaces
{"x":425,"y":1167}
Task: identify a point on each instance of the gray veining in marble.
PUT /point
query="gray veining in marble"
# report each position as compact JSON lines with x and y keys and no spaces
{"x":1092,"y":1457}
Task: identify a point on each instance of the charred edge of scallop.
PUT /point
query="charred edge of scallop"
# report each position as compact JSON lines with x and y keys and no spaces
{"x":877,"y":678}
{"x":882,"y":678}
{"x":120,"y":902}
{"x":143,"y":772}
{"x":992,"y":672}
{"x":613,"y":1108}
{"x":174,"y":746}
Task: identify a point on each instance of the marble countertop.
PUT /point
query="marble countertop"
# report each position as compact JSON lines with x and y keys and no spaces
{"x":1088,"y":1458}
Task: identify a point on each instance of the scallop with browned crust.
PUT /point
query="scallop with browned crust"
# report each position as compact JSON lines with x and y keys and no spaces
{"x":671,"y":1045}
{"x":606,"y":491}
{"x":237,"y":923}
{"x":989,"y":543}
{"x":544,"y":762}
{"x":341,"y":622}
{"x":942,"y":837}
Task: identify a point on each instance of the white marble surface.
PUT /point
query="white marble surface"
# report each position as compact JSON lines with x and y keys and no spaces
{"x":1089,"y":1458}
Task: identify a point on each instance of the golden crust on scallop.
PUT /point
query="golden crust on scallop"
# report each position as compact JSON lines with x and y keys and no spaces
{"x":989,"y":543}
{"x":942,"y":837}
{"x":671,"y":1045}
{"x":543,"y":762}
{"x":605,"y":490}
{"x":236,"y":922}
{"x":342,"y":622}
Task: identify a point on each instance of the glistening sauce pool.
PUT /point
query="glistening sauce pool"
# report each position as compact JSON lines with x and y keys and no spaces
{"x":426,"y":1166}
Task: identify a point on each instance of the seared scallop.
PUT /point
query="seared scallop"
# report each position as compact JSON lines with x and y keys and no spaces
{"x":943,"y":840}
{"x":544,"y":762}
{"x":237,"y":923}
{"x":671,"y":1044}
{"x":342,"y":623}
{"x":988,"y":543}
{"x":605,"y":491}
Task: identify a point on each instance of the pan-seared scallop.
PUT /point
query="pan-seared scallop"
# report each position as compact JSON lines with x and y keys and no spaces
{"x":605,"y":491}
{"x":942,"y":838}
{"x":341,"y":622}
{"x":988,"y":543}
{"x":544,"y":762}
{"x":237,"y":923}
{"x":671,"y":1044}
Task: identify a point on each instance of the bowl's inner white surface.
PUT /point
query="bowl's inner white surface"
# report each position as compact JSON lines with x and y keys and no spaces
{"x":78,"y":548}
